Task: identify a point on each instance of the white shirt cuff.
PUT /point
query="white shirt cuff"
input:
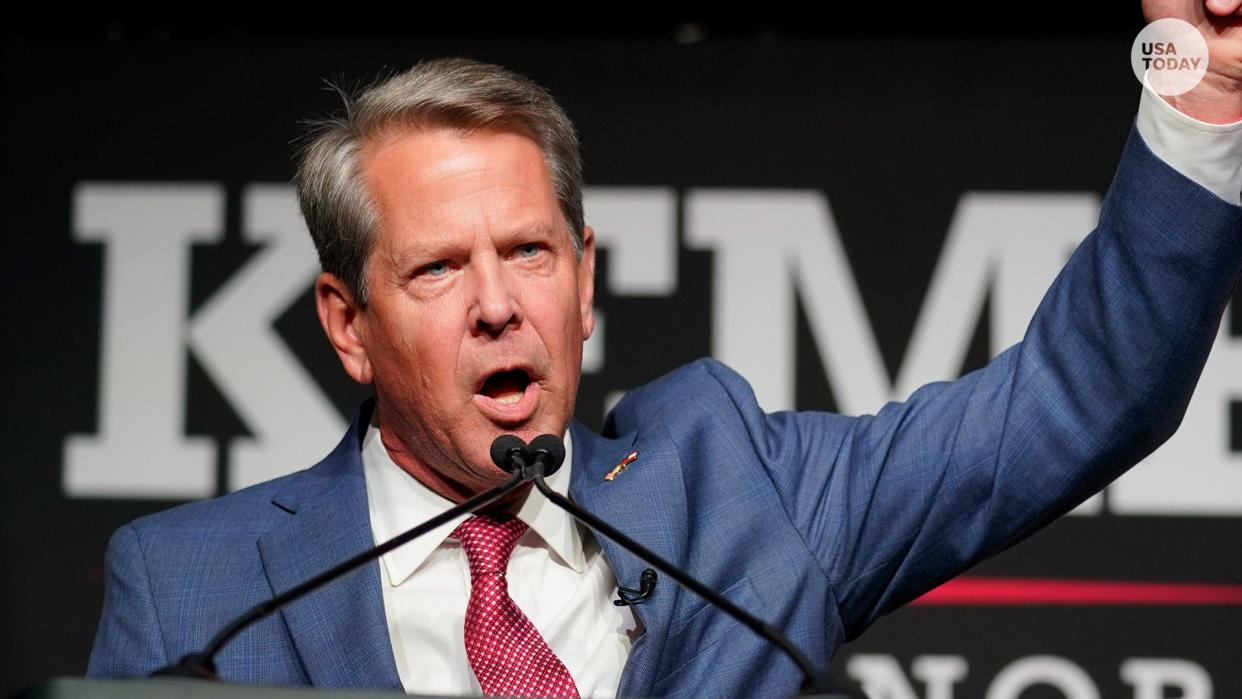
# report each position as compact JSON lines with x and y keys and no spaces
{"x":1208,"y":154}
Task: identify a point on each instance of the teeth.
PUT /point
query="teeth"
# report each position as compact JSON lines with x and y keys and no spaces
{"x":509,"y":398}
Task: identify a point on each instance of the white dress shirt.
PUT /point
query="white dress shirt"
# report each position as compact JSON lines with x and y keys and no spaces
{"x":557,"y":575}
{"x":1209,"y":155}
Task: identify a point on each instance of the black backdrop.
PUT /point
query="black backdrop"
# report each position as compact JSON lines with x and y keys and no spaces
{"x":892,"y":125}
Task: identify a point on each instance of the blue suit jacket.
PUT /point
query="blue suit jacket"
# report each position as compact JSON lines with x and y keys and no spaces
{"x":816,"y":522}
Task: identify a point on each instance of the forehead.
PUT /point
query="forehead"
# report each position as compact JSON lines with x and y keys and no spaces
{"x":432,"y":179}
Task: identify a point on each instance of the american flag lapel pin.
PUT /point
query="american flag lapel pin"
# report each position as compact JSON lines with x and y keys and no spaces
{"x":621,"y":465}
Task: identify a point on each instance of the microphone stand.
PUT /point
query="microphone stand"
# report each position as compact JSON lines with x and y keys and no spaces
{"x":201,"y":665}
{"x":547,"y":460}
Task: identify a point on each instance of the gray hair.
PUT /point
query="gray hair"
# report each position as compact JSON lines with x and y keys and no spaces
{"x":450,"y":92}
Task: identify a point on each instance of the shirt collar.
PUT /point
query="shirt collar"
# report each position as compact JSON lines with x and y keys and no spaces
{"x":398,"y":502}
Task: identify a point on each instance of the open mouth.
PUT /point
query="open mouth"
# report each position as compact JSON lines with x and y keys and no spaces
{"x":506,"y":387}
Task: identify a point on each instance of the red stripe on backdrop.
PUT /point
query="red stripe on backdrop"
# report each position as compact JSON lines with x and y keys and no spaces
{"x":971,"y":591}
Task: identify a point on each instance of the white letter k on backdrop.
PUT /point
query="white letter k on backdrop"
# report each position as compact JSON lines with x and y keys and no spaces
{"x":141,"y":449}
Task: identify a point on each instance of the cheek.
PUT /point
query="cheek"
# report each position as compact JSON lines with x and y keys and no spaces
{"x":567,"y":344}
{"x":396,"y":347}
{"x":555,"y":313}
{"x":432,"y":343}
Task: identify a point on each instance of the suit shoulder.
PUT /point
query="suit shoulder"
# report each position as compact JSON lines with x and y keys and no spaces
{"x":703,"y":387}
{"x":256,"y":508}
{"x":252,"y":511}
{"x":249,"y":509}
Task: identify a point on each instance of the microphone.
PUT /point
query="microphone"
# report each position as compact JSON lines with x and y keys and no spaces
{"x":509,"y":452}
{"x":629,"y":596}
{"x":548,"y":452}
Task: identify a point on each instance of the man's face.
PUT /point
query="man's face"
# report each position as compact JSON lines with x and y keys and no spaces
{"x":477,"y":306}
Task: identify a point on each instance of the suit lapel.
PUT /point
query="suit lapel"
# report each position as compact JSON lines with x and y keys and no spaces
{"x":647,"y":502}
{"x":340,"y":630}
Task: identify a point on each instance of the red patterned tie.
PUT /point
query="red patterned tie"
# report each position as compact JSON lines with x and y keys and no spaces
{"x":507,"y":654}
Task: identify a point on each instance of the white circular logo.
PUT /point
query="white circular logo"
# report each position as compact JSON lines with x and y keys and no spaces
{"x":1172,"y":53}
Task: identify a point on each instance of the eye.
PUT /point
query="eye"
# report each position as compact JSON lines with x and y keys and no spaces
{"x":439,"y":268}
{"x":528,"y":250}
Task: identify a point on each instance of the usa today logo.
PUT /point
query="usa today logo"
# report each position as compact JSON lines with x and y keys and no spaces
{"x":1172,"y":54}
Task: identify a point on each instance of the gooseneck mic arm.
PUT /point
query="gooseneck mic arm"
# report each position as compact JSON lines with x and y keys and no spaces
{"x":547,"y":453}
{"x":507,"y":451}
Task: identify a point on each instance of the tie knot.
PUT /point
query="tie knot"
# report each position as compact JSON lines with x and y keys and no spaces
{"x":489,"y":542}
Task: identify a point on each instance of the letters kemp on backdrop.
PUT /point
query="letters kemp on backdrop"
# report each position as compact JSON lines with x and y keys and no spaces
{"x":147,"y":231}
{"x":882,"y":677}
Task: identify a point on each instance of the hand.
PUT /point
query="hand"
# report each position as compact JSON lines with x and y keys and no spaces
{"x":1218,"y":98}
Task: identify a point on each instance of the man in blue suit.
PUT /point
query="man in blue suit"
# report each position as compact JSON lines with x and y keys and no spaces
{"x":458,"y":281}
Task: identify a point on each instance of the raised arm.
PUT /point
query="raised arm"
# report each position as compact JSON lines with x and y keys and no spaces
{"x":896,"y":503}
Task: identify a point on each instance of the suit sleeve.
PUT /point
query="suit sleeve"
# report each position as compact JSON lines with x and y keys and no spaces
{"x":895,"y":503}
{"x":129,"y":642}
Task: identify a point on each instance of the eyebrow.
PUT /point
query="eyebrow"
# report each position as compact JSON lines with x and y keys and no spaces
{"x":538,"y":230}
{"x":429,"y":249}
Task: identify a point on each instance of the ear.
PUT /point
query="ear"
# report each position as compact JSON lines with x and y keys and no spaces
{"x":586,"y":282}
{"x":344,"y":323}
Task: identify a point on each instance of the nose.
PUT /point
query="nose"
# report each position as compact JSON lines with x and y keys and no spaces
{"x":495,"y":305}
